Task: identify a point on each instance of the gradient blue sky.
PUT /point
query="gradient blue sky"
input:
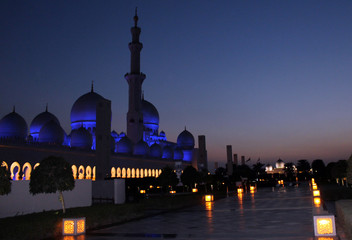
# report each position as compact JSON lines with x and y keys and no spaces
{"x":270,"y":78}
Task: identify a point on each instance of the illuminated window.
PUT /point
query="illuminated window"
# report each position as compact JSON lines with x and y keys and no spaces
{"x":88,"y":172}
{"x":128,"y":173}
{"x":123,"y":172}
{"x":137,"y":173}
{"x":133,"y":173}
{"x":26,"y":169}
{"x":73,"y":226}
{"x":118,"y":172}
{"x":81,"y":172}
{"x":14,"y":169}
{"x":113,"y":172}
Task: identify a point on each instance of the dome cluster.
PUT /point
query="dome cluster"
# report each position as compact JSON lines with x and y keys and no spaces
{"x":45,"y":129}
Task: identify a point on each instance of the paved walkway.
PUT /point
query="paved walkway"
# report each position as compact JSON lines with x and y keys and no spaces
{"x":284,"y":213}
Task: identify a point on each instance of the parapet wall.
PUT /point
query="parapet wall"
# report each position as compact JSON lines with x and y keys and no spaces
{"x":344,"y":215}
{"x":20,"y":201}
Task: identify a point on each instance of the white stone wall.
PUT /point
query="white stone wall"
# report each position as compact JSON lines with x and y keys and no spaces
{"x":20,"y":201}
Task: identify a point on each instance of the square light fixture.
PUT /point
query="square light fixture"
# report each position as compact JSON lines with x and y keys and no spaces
{"x":142,"y":191}
{"x":239,"y":190}
{"x":73,"y":226}
{"x":317,"y":201}
{"x":316,"y":193}
{"x":209,"y":198}
{"x":173,"y":192}
{"x":324,"y":225}
{"x":194,"y":190}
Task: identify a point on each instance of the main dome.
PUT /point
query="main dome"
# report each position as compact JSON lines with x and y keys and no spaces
{"x":84,"y":109}
{"x":40,"y":120}
{"x":13,"y":125}
{"x":150,"y":115}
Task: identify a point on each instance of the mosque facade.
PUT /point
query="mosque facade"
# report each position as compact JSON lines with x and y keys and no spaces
{"x":91,"y":147}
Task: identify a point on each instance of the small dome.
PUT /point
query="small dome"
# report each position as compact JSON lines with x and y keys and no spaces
{"x":115,"y":135}
{"x":13,"y":125}
{"x":168,"y":152}
{"x":52,"y":133}
{"x":122,"y":134}
{"x":178,"y":154}
{"x":141,"y":148}
{"x":185,"y":140}
{"x":280,"y":164}
{"x":150,"y":115}
{"x":155,"y":150}
{"x":162,"y":134}
{"x":40,"y":120}
{"x":81,"y":138}
{"x":124,"y":146}
{"x":84,"y":109}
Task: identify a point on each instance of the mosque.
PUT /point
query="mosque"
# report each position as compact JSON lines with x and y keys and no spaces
{"x":95,"y":151}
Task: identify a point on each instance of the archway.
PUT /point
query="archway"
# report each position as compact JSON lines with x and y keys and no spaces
{"x":88,"y":172}
{"x":123,"y":172}
{"x":149,"y":173}
{"x":94,"y":169}
{"x":14,"y":169}
{"x":156,"y":173}
{"x":81,"y":172}
{"x":113,"y":172}
{"x":26,"y":169}
{"x":36,"y":165}
{"x":4,"y":164}
{"x":128,"y":173}
{"x":141,"y":173}
{"x":153,"y":173}
{"x":74,"y":171}
{"x":118,"y":172}
{"x":137,"y":173}
{"x":145,"y":172}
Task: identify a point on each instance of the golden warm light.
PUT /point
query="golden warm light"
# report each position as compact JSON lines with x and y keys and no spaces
{"x":74,"y":226}
{"x":209,"y":198}
{"x":252,"y":188}
{"x":194,"y":190}
{"x":239,"y":190}
{"x":316,"y":193}
{"x":317,"y":201}
{"x":324,"y":225}
{"x":314,"y":187}
{"x":172,"y":192}
{"x":142,"y":191}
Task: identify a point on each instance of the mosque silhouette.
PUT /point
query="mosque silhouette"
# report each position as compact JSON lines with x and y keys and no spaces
{"x":141,"y":152}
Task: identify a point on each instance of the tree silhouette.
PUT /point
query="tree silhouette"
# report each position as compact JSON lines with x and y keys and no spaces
{"x":289,"y":171}
{"x":303,"y":169}
{"x":349,"y":170}
{"x":190,"y":176}
{"x":167,"y":178}
{"x":5,"y":182}
{"x":319,"y":170}
{"x":54,"y":174}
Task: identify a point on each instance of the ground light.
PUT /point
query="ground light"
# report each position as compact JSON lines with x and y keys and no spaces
{"x":194,"y":190}
{"x":142,"y":191}
{"x":239,"y":190}
{"x":324,"y":225}
{"x":314,"y":186}
{"x":316,"y":193}
{"x":317,"y":201}
{"x":173,"y":192}
{"x":73,"y":226}
{"x":209,"y":198}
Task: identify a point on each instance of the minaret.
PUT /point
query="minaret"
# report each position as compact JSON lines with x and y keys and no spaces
{"x":135,"y":79}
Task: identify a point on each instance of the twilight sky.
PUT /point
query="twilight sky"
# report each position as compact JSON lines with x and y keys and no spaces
{"x":270,"y":78}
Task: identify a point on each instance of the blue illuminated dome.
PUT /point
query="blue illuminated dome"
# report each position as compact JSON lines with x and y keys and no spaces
{"x":155,"y":150}
{"x":39,"y":121}
{"x":81,"y":138}
{"x":178,"y":154}
{"x":84,"y":110}
{"x":141,"y":149}
{"x":168,"y":152}
{"x":52,"y":133}
{"x":150,"y":115}
{"x":124,"y":146}
{"x":185,"y":140}
{"x":115,"y":135}
{"x":13,"y":125}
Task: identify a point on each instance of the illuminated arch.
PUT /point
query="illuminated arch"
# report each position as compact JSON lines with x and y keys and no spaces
{"x":156,"y":173}
{"x":15,"y":175}
{"x":113,"y":172}
{"x":81,"y":172}
{"x":137,"y":173}
{"x":74,"y":171}
{"x":88,"y":172}
{"x":118,"y":172}
{"x":141,"y":173}
{"x":145,"y":172}
{"x":123,"y":172}
{"x":160,"y":171}
{"x":153,"y":173}
{"x":133,"y":173}
{"x":149,"y":173}
{"x":128,"y":173}
{"x":4,"y":164}
{"x":36,"y":165}
{"x":94,"y":169}
{"x":26,"y":169}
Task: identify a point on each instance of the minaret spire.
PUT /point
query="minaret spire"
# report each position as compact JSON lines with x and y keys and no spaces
{"x":135,"y":80}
